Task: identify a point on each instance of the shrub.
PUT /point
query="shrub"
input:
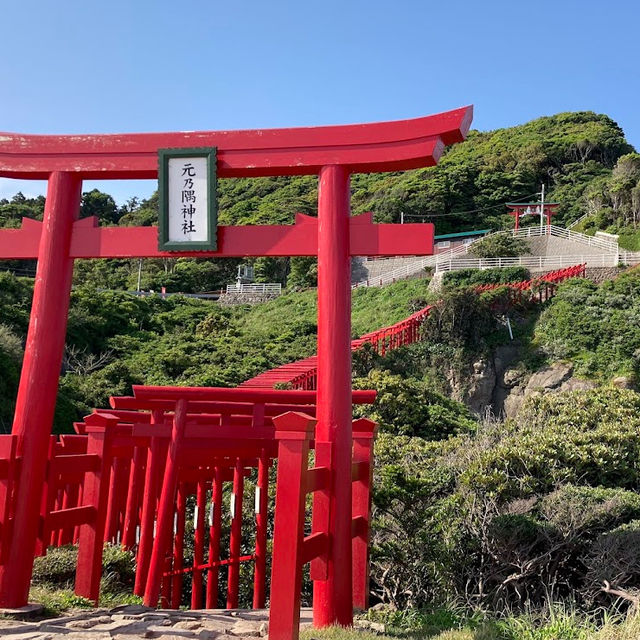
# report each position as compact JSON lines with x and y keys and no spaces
{"x":613,"y":557}
{"x":58,"y":568}
{"x":588,"y":437}
{"x":597,"y":327}
{"x":499,"y":246}
{"x":474,"y":277}
{"x":408,"y":407}
{"x":515,"y":514}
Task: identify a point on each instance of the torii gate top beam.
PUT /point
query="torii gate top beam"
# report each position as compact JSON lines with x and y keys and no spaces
{"x":381,"y":146}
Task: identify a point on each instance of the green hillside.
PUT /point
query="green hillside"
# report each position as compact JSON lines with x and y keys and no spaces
{"x":475,"y":517}
{"x":575,"y":154}
{"x":115,"y":340}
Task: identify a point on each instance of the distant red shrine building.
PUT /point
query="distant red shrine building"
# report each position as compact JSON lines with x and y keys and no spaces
{"x":332,"y":153}
{"x":520,"y":209}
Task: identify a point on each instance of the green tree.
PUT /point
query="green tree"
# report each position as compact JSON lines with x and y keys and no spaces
{"x":101,"y":205}
{"x":499,"y":246}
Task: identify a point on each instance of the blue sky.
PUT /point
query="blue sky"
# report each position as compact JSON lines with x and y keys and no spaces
{"x":77,"y":66}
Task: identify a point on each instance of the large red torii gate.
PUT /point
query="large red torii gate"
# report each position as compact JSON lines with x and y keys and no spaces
{"x":333,"y":153}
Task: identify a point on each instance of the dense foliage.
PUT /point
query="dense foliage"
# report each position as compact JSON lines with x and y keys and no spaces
{"x":507,"y":515}
{"x":596,"y":327}
{"x":115,"y":339}
{"x":499,"y":246}
{"x":613,"y":201}
{"x":574,"y":154}
{"x":471,"y":277}
{"x":540,"y":508}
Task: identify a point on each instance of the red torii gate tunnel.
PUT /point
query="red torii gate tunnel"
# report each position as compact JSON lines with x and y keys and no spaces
{"x":333,"y":153}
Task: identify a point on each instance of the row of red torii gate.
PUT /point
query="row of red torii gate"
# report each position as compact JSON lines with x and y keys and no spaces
{"x":129,"y":471}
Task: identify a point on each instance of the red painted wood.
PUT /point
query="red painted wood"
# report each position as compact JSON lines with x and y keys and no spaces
{"x":8,"y":478}
{"x":262,"y":504}
{"x":319,"y":569}
{"x":300,"y":239}
{"x":214,"y":540}
{"x":233,"y":582}
{"x":70,"y":517}
{"x":165,"y":508}
{"x":39,"y":379}
{"x":198,"y":555}
{"x":294,"y":433}
{"x":115,"y":488}
{"x":47,"y":501}
{"x":134,"y":499}
{"x":332,"y":597}
{"x":382,"y":146}
{"x":96,"y":495}
{"x":178,"y":547}
{"x":155,"y":463}
{"x":239,"y":394}
{"x":314,"y":545}
{"x":364,"y":433}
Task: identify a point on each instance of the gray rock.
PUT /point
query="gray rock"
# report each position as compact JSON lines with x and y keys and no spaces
{"x":513,"y":402}
{"x":188,"y":624}
{"x":550,"y":377}
{"x":368,"y":625}
{"x":85,"y":635}
{"x":28,"y":612}
{"x":623,"y":382}
{"x":511,"y":377}
{"x":575,"y":384}
{"x":249,"y":629}
{"x":481,"y":386}
{"x":131,"y":609}
{"x":504,"y":355}
{"x":87,"y":623}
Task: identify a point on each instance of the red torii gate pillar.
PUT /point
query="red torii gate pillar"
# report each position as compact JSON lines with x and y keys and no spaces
{"x":332,"y":598}
{"x":36,"y":401}
{"x":332,"y":153}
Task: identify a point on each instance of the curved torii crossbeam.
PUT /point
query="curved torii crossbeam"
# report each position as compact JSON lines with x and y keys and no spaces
{"x":333,"y":153}
{"x":381,"y":146}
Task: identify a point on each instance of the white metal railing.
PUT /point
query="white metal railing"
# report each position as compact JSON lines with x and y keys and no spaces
{"x":560,"y":232}
{"x":575,"y":223}
{"x":270,"y":288}
{"x":436,"y":260}
{"x":540,"y":262}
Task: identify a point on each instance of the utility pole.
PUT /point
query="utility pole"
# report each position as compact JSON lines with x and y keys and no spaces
{"x":542,"y":207}
{"x":402,"y":217}
{"x":139,"y":273}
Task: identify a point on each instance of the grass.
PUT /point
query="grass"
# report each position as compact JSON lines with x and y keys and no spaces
{"x":54,"y":574}
{"x":629,"y":240}
{"x":57,"y":601}
{"x":561,"y":623}
{"x":372,"y":308}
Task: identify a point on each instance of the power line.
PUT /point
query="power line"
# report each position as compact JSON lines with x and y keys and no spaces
{"x":462,"y":213}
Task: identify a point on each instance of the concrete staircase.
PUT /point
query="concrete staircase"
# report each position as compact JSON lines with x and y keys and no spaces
{"x":551,"y":248}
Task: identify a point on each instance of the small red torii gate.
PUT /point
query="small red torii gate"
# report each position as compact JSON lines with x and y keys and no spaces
{"x":519,"y":209}
{"x":332,"y":153}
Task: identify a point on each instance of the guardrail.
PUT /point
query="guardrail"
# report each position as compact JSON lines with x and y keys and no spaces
{"x":575,"y":223}
{"x":538,"y":289}
{"x":270,"y":288}
{"x":446,"y":257}
{"x":303,"y":374}
{"x":539,"y":262}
